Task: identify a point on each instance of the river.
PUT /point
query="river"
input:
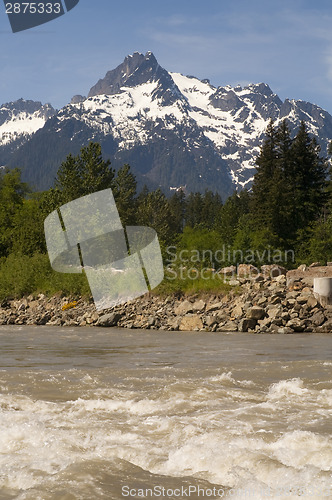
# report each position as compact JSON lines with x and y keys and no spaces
{"x":89,"y":413}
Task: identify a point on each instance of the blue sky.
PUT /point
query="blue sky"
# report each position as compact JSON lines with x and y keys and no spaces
{"x":287,"y":44}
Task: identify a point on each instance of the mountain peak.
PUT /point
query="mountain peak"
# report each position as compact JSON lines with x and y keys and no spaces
{"x":24,"y":108}
{"x":172,"y":129}
{"x":136,"y":69}
{"x":259,"y":88}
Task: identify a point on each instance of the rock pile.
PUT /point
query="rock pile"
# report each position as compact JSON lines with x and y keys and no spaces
{"x":266,"y":302}
{"x":41,"y":310}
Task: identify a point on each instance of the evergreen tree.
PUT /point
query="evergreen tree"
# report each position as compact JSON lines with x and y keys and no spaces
{"x":28,"y":235}
{"x":307,"y":179}
{"x":154,"y":211}
{"x":281,"y":188}
{"x":143,"y":194}
{"x":68,"y":185}
{"x":211,"y":206}
{"x":328,"y":208}
{"x":124,"y":190}
{"x":329,"y":151}
{"x":265,"y":189}
{"x":83,"y":174}
{"x":12,"y":194}
{"x":289,"y":189}
{"x":235,"y":207}
{"x":193,"y":211}
{"x":177,"y":205}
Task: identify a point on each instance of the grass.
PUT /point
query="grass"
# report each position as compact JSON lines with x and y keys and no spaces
{"x":191,"y":284}
{"x":21,"y":275}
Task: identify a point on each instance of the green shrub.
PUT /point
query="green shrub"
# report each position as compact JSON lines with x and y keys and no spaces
{"x":23,"y":275}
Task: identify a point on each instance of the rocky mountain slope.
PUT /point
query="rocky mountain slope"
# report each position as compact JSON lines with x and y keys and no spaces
{"x":173,"y":130}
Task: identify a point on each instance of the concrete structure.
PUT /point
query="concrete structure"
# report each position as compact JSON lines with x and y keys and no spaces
{"x":323,"y":291}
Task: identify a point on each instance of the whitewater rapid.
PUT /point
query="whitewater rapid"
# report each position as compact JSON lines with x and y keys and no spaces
{"x":92,"y":413}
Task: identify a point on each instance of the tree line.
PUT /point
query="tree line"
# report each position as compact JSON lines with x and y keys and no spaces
{"x":23,"y":212}
{"x":288,"y":207}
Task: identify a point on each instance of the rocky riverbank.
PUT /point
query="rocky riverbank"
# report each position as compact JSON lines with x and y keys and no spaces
{"x":262,"y":303}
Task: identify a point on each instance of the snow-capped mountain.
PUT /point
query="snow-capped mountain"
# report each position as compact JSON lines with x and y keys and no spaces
{"x":173,"y":130}
{"x":19,"y":120}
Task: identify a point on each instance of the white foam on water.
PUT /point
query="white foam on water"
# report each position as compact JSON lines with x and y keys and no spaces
{"x":226,"y":378}
{"x":300,"y":449}
{"x":325,"y":398}
{"x":220,"y":428}
{"x":287,"y":388}
{"x":223,"y":377}
{"x":233,"y":461}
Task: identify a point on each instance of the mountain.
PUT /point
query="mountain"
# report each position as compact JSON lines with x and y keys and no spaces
{"x":173,"y":130}
{"x":18,"y":121}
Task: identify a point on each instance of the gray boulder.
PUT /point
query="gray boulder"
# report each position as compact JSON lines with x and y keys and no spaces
{"x":111,"y":319}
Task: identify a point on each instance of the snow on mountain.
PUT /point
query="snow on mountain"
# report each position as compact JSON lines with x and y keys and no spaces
{"x":125,"y":115}
{"x":173,"y":129}
{"x":235,"y":119}
{"x":20,"y":119}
